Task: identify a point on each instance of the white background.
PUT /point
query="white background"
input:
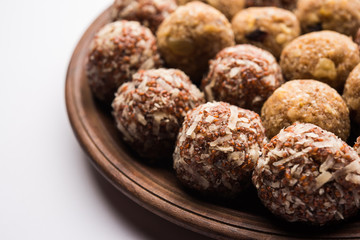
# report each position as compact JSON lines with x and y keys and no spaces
{"x":48,"y":189}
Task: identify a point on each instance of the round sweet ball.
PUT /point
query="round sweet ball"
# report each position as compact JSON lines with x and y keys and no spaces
{"x":149,"y":13}
{"x":118,"y":51}
{"x":270,"y":28}
{"x":357,"y":146}
{"x":287,"y":4}
{"x":217,"y":149}
{"x":326,"y":56}
{"x":229,"y":8}
{"x":308,"y":175}
{"x":352,"y":93}
{"x":306,"y":101}
{"x":342,"y":16}
{"x":150,"y":109}
{"x":243,"y":75}
{"x":192,"y":35}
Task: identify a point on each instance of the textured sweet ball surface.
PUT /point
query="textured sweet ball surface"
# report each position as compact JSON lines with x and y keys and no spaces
{"x":150,"y":109}
{"x":306,"y":101}
{"x":287,"y":4}
{"x":307,"y":174}
{"x":118,"y":51}
{"x":217,"y":149}
{"x":149,"y":13}
{"x":352,"y":93}
{"x":269,"y":28}
{"x":357,"y":145}
{"x":342,"y":16}
{"x":192,"y":35}
{"x":242,"y":75}
{"x":326,"y":56}
{"x":229,"y":7}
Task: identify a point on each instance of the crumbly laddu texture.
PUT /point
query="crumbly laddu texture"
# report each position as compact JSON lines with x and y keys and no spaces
{"x":191,"y":36}
{"x":149,"y":13}
{"x":118,"y":51}
{"x":326,"y":56}
{"x":287,"y":4}
{"x":229,"y":7}
{"x":309,"y":175}
{"x":243,"y":75}
{"x":217,"y":149}
{"x":269,"y":28}
{"x":342,"y":16}
{"x":150,"y":109}
{"x":352,"y":93}
{"x":357,"y":146}
{"x":306,"y":101}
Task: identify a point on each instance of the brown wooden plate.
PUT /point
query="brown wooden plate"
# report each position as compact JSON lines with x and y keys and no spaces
{"x":156,"y":188}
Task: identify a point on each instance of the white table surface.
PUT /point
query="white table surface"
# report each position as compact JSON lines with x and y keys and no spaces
{"x":48,"y":189}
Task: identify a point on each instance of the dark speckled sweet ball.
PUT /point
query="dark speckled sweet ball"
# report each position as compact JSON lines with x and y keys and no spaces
{"x":243,"y":75}
{"x":150,"y":109}
{"x":149,"y":13}
{"x":217,"y":149}
{"x":118,"y":51}
{"x":309,"y":175}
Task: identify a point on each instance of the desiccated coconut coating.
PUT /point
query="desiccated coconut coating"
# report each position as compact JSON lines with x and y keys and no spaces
{"x":306,"y":101}
{"x":150,"y":109}
{"x":242,"y":75}
{"x":357,"y":146}
{"x":118,"y":51}
{"x":149,"y":13}
{"x":270,"y":28}
{"x":326,"y":56}
{"x":352,"y":93}
{"x":192,"y":35}
{"x":229,"y":7}
{"x":287,"y":4}
{"x":217,"y":149}
{"x":342,"y":16}
{"x":307,"y":174}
